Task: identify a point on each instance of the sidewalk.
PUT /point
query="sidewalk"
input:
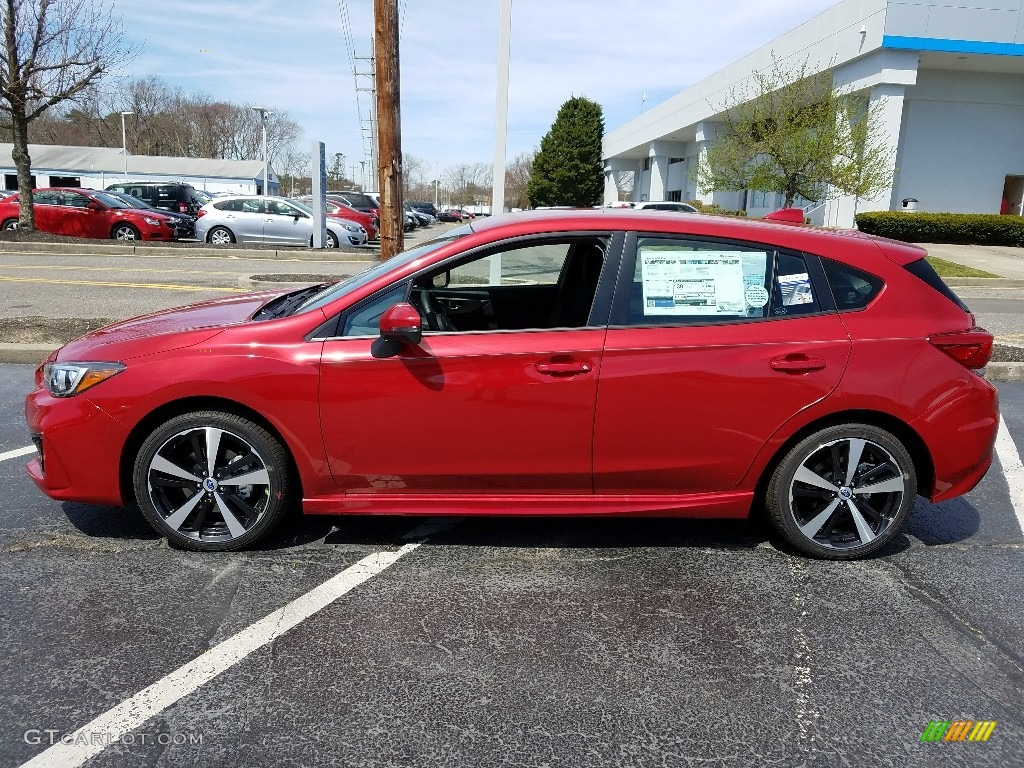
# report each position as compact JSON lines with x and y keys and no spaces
{"x":1002,"y":260}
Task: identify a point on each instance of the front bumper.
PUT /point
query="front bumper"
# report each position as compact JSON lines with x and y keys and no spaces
{"x":78,"y":449}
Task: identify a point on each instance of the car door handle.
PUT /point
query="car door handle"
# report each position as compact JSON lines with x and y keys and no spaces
{"x":798,"y":363}
{"x":562,"y":369}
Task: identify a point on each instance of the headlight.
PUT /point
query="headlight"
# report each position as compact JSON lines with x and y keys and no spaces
{"x":70,"y":379}
{"x":350,"y":227}
{"x":152,"y":222}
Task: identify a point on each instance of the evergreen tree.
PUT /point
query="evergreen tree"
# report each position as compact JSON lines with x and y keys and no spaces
{"x":567,"y":169}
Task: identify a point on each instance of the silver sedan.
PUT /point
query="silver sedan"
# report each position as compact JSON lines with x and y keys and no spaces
{"x":270,"y":220}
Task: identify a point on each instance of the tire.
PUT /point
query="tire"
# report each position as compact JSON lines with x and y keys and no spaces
{"x":220,"y":236}
{"x":824,"y":510}
{"x":125,"y":232}
{"x":199,"y":510}
{"x":332,"y":240}
{"x":9,"y":224}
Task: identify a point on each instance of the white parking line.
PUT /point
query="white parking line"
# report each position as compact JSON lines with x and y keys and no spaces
{"x":1009,"y":458}
{"x":93,"y":737}
{"x":17,"y":452}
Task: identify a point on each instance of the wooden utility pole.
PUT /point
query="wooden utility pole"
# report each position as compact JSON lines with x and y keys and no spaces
{"x":389,"y":128}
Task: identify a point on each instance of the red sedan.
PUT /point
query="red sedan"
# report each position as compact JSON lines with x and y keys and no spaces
{"x":368,"y":221}
{"x":626,"y":363}
{"x":89,"y":213}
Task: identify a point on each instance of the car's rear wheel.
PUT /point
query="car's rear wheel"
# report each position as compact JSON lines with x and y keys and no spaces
{"x":220,"y":236}
{"x":9,"y":224}
{"x":212,"y":481}
{"x":843,"y":492}
{"x":125,"y":232}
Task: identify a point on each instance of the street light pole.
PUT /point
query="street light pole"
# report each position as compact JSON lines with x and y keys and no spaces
{"x":263,"y":113}
{"x":124,"y":143}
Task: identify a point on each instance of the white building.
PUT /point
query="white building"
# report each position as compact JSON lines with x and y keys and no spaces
{"x":949,"y":75}
{"x":97,"y":167}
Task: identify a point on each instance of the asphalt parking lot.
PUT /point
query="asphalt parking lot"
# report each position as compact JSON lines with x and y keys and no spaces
{"x":506,"y":642}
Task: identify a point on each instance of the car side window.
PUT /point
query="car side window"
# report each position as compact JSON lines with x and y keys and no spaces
{"x":364,"y":319}
{"x":690,"y":282}
{"x":251,"y":205}
{"x":74,"y":200}
{"x":535,"y":285}
{"x":852,"y":288}
{"x":46,"y":198}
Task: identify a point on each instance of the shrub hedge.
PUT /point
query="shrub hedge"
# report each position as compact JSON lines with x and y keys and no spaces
{"x":965,"y":228}
{"x":714,"y":208}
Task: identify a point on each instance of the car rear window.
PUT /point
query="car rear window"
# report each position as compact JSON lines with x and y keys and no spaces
{"x":924,"y":270}
{"x":852,"y":288}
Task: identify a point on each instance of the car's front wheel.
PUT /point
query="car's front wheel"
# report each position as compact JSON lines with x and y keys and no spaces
{"x":9,"y":224}
{"x":220,"y":236}
{"x":212,"y":481}
{"x":125,"y":232}
{"x":330,"y":242}
{"x":843,"y":492}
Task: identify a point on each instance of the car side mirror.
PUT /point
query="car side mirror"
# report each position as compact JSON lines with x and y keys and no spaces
{"x":441,"y":279}
{"x":402,"y":324}
{"x":92,"y":205}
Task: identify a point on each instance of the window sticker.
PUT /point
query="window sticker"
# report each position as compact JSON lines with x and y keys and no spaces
{"x":796,"y":289}
{"x":689,"y":282}
{"x":756,"y":295}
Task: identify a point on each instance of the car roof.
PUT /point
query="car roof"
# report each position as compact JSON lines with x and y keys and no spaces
{"x":798,"y":237}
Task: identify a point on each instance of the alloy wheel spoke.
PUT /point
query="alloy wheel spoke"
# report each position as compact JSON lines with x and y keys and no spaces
{"x":232,"y":522}
{"x":176,"y":518}
{"x":806,"y":476}
{"x":160,"y":464}
{"x":256,"y":477}
{"x":212,"y":448}
{"x":892,"y":485}
{"x":864,"y":531}
{"x":856,"y":451}
{"x":811,"y":528}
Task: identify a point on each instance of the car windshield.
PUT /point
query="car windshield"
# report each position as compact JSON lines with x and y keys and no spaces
{"x":110,"y":201}
{"x":337,"y":290}
{"x":130,"y":200}
{"x":300,"y":205}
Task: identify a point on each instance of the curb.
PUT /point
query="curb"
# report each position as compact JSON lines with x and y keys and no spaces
{"x":34,"y":354}
{"x":988,"y":282}
{"x":367,"y":253}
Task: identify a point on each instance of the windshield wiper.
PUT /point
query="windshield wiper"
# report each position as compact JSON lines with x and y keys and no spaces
{"x":285,"y":305}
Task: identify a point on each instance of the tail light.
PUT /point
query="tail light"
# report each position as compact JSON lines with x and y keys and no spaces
{"x":182,"y":206}
{"x":200,"y":213}
{"x":971,"y":348}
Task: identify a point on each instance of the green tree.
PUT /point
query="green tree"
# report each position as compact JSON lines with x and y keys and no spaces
{"x":788,"y":130}
{"x":567,"y":169}
{"x":54,"y":51}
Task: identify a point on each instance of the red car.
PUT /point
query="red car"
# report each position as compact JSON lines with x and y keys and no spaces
{"x":368,"y":221}
{"x":89,"y":213}
{"x":626,"y":363}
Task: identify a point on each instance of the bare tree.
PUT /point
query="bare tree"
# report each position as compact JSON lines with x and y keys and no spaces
{"x":517,"y":176}
{"x":53,"y":51}
{"x":468,"y":183}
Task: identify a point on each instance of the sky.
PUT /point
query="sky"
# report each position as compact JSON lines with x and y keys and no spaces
{"x":294,"y":57}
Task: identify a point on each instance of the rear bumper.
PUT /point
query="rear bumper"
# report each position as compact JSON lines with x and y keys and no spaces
{"x":961,"y":431}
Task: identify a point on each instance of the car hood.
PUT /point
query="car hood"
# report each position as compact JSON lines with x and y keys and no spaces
{"x":166,"y":330}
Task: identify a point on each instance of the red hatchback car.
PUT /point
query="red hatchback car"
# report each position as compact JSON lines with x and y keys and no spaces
{"x":89,"y":213}
{"x":626,"y":363}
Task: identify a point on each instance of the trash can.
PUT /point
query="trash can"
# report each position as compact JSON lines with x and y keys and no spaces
{"x":909,"y":204}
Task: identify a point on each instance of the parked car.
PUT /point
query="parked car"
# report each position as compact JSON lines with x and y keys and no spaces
{"x":335,"y":207}
{"x":184,"y":224}
{"x":450,"y":215}
{"x":825,"y":378}
{"x":88,"y":213}
{"x":358,"y":200}
{"x":268,"y":219}
{"x":664,"y":205}
{"x":425,"y":207}
{"x":422,"y":219}
{"x":174,"y":196}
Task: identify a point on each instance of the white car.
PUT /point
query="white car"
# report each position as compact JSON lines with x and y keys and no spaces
{"x":665,"y":205}
{"x":270,"y":220}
